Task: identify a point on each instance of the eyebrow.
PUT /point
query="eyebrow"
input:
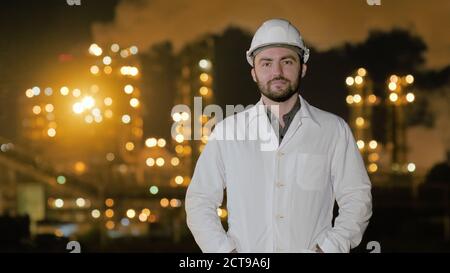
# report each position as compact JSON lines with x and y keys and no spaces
{"x":282,"y":58}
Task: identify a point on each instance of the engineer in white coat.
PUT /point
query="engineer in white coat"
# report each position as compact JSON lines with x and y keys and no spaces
{"x":283,"y":163}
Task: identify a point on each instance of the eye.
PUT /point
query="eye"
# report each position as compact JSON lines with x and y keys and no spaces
{"x":288,"y":62}
{"x":266,"y":64}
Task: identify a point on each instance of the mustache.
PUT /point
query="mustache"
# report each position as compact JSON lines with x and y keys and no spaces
{"x":278,"y":78}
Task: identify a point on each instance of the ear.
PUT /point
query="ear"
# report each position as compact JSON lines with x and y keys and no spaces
{"x":254,"y":74}
{"x":304,"y":68}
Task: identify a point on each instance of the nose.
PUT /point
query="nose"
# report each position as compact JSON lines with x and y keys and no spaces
{"x":277,"y":70}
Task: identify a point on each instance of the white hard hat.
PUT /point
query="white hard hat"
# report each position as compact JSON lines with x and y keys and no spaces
{"x":277,"y":32}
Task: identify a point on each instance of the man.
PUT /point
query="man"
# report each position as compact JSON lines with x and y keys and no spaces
{"x":282,"y":185}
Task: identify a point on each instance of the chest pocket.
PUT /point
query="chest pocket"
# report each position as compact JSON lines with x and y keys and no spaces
{"x":311,"y":171}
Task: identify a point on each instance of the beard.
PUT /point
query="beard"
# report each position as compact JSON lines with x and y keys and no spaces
{"x":279,"y":94}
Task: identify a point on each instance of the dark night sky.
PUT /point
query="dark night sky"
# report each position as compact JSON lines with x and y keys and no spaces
{"x":35,"y":33}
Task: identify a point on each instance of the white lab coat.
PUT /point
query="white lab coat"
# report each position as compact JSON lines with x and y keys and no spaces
{"x":280,"y":197}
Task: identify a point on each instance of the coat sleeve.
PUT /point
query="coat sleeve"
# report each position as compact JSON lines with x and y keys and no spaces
{"x":204,"y":195}
{"x":352,"y":189}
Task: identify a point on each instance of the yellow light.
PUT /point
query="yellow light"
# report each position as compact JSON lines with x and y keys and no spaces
{"x":48,"y":91}
{"x":362,"y":72}
{"x":95,"y":213}
{"x":164,"y":202}
{"x":108,"y":113}
{"x":29,"y":93}
{"x":160,"y":161}
{"x":179,"y":138}
{"x":88,"y":119}
{"x":349,"y":99}
{"x":175,"y":161}
{"x":372,"y":98}
{"x":94,"y":69}
{"x":110,"y":156}
{"x":107,"y":60}
{"x":146,"y":211}
{"x":175,"y":203}
{"x":96,"y":112}
{"x":349,"y":81}
{"x":109,"y":213}
{"x":51,"y":132}
{"x":133,"y":50}
{"x":203,"y":118}
{"x":357,"y":98}
{"x":179,"y":180}
{"x":360,"y":144}
{"x":359,"y":121}
{"x":133,"y":71}
{"x":358,"y":79}
{"x":88,"y":102}
{"x":373,"y":144}
{"x":126,"y":119}
{"x":109,"y":202}
{"x":128,"y":89}
{"x":76,"y":93}
{"x":49,"y":108}
{"x":129,"y":146}
{"x":204,"y":90}
{"x":222,"y":213}
{"x":125,"y":70}
{"x":150,"y":142}
{"x":204,"y":77}
{"x":184,"y":116}
{"x":110,"y":225}
{"x":150,"y":162}
{"x":94,"y":49}
{"x":374,"y":157}
{"x":107,"y":69}
{"x":204,"y":64}
{"x":411,"y":167}
{"x":80,"y":167}
{"x":115,"y":47}
{"x":161,"y":142}
{"x":143,"y":217}
{"x":36,"y":90}
{"x":59,"y":203}
{"x":409,"y":79}
{"x":393,"y":97}
{"x":392,"y":86}
{"x":179,"y":149}
{"x":204,"y":139}
{"x":176,"y":117}
{"x":187,"y":150}
{"x":36,"y":109}
{"x":373,"y":167}
{"x":134,"y":102}
{"x":64,"y":91}
{"x":124,"y":53}
{"x":108,"y":101}
{"x":410,"y":97}
{"x":393,"y":79}
{"x":131,"y":213}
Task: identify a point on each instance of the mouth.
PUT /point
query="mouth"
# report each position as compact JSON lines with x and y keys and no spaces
{"x":278,"y":82}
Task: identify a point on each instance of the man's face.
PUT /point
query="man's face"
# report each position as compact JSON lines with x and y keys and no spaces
{"x":277,"y":72}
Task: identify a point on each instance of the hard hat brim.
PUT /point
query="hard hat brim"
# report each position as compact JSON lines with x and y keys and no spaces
{"x":252,"y":54}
